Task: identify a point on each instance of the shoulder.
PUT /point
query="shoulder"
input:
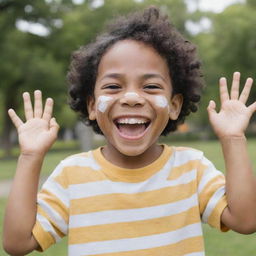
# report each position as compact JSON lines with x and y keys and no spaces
{"x":187,"y":153}
{"x":78,"y":161}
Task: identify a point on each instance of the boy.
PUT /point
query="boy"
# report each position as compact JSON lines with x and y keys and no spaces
{"x":132,"y":196}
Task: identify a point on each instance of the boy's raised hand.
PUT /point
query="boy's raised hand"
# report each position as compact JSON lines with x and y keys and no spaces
{"x":234,"y":116}
{"x":39,"y":132}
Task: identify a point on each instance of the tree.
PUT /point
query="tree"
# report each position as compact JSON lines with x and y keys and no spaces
{"x":30,"y":61}
{"x":25,"y":62}
{"x":228,"y":46}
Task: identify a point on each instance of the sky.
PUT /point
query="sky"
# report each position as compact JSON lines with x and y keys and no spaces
{"x":210,"y":5}
{"x":203,"y":5}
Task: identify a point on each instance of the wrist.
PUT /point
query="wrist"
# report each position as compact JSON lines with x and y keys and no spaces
{"x":232,"y":137}
{"x":33,"y":157}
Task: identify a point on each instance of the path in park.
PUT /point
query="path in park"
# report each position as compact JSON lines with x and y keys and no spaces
{"x":5,"y":186}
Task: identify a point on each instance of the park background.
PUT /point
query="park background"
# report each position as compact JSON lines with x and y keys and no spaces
{"x":37,"y":38}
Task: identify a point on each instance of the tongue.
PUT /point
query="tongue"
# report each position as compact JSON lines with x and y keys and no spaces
{"x":131,"y":129}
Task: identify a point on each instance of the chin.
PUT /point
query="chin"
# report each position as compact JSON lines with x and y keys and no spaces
{"x":132,"y":151}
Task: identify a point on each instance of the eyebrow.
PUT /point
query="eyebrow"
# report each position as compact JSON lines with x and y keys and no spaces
{"x":153,"y":75}
{"x":143,"y":77}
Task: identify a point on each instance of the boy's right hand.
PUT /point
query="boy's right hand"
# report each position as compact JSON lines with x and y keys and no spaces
{"x":40,"y":130}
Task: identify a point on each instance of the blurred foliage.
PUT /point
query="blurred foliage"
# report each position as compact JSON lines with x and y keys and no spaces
{"x":30,"y":61}
{"x":228,"y":46}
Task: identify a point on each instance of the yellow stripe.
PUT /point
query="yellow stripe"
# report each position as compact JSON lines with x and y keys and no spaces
{"x":78,"y":175}
{"x":54,"y":225}
{"x":210,"y":188}
{"x":215,"y":218}
{"x":116,"y":231}
{"x":123,"y":201}
{"x":190,"y":245}
{"x":55,"y":203}
{"x":187,"y":167}
{"x":44,"y":238}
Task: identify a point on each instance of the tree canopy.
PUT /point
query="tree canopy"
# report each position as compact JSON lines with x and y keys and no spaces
{"x":32,"y":61}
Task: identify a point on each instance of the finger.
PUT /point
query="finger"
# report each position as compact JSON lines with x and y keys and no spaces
{"x":15,"y":119}
{"x":38,"y":107}
{"x":47,"y":115}
{"x":54,"y":127}
{"x":246,"y":90}
{"x":224,"y":96}
{"x":252,"y":108}
{"x":211,"y":107}
{"x":27,"y":106}
{"x":234,"y":94}
{"x":211,"y":110}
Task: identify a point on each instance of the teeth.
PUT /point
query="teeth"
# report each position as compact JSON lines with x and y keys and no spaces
{"x":132,"y":121}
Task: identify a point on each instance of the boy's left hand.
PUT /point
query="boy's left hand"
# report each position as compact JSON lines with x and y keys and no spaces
{"x":234,"y":116}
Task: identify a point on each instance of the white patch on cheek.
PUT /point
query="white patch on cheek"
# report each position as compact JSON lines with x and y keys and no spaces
{"x":131,"y":94}
{"x":161,"y":101}
{"x":103,"y":103}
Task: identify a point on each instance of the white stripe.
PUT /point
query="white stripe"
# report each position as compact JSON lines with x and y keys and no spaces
{"x":57,"y":190}
{"x":117,"y":216}
{"x":212,"y":203}
{"x":184,"y":156}
{"x":208,"y":176}
{"x":210,"y":173}
{"x":83,"y":161}
{"x":195,"y":254}
{"x":54,"y":216}
{"x":108,"y":187}
{"x":47,"y":226}
{"x":138,"y":243}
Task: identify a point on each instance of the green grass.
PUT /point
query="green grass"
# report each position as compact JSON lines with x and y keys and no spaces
{"x":59,"y":151}
{"x":216,"y":243}
{"x":213,"y":152}
{"x":8,"y":166}
{"x":59,"y":249}
{"x":228,"y":243}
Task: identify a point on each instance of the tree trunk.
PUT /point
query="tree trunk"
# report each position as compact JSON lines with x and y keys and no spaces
{"x":85,"y":136}
{"x":9,"y":102}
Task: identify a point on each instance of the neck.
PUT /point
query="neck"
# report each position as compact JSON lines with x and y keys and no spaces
{"x":132,"y":162}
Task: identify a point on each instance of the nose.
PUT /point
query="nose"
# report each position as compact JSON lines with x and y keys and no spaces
{"x":132,"y":99}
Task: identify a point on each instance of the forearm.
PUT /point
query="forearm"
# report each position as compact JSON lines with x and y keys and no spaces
{"x":240,"y":182}
{"x":21,"y":207}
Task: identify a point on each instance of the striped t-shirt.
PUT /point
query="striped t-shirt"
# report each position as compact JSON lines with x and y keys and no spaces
{"x":111,"y":211}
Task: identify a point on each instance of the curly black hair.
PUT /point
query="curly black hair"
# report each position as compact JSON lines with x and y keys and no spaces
{"x":154,"y":29}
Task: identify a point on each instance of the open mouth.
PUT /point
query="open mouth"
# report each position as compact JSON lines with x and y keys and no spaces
{"x":134,"y":127}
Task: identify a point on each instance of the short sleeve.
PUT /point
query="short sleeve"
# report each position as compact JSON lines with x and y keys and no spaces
{"x":212,"y":194}
{"x":52,"y":209}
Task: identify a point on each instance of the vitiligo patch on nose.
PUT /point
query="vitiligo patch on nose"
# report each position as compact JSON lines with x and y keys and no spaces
{"x":131,"y":94}
{"x":161,"y":101}
{"x":103,"y":103}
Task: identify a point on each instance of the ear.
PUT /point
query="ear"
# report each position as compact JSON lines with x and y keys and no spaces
{"x":175,"y":106}
{"x":91,"y":106}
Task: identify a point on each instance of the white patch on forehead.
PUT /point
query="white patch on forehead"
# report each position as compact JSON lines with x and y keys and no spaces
{"x":161,"y":101}
{"x":103,"y":103}
{"x":131,"y":94}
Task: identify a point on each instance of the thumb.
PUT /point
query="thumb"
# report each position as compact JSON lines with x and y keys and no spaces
{"x":252,"y":108}
{"x":211,"y":108}
{"x":54,"y":127}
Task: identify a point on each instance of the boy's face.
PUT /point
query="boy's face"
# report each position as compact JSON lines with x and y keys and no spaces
{"x":132,"y":98}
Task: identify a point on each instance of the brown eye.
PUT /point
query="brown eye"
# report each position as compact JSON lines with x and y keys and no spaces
{"x":112,"y":86}
{"x":152,"y":86}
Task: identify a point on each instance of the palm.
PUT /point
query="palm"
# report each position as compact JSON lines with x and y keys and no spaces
{"x":33,"y":133}
{"x":234,"y":116}
{"x":38,"y":133}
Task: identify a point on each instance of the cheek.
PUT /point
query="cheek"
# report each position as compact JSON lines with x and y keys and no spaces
{"x":103,"y":103}
{"x":162,"y":103}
